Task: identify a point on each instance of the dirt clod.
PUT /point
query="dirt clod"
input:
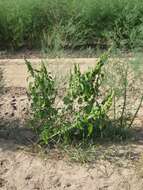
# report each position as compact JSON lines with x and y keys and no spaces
{"x":2,"y":182}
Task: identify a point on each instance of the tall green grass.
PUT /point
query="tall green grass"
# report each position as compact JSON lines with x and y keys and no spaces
{"x":63,"y":24}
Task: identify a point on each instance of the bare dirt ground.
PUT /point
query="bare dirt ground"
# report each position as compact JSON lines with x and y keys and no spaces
{"x":115,"y":167}
{"x":15,"y":70}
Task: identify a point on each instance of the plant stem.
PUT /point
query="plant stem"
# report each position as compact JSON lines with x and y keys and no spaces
{"x":114,"y":107}
{"x":125,"y":97}
{"x":130,"y":125}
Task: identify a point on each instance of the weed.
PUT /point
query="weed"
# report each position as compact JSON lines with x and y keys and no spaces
{"x":96,"y":104}
{"x":85,"y":104}
{"x":84,"y":110}
{"x":42,"y":95}
{"x":81,"y":153}
{"x":128,"y":98}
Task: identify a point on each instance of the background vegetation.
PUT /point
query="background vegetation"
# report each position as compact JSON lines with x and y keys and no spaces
{"x":70,"y":24}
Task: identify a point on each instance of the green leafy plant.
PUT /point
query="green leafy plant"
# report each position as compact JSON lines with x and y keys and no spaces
{"x":83,"y":113}
{"x":85,"y":104}
{"x":96,"y":105}
{"x":42,"y":93}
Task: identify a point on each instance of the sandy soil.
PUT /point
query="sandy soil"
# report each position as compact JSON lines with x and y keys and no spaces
{"x":15,"y":70}
{"x":22,"y":171}
{"x":116,"y":167}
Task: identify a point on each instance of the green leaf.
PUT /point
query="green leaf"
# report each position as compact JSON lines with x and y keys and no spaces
{"x":90,"y":129}
{"x":30,"y":68}
{"x":66,"y":100}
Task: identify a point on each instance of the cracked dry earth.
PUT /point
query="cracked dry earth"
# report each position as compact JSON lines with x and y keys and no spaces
{"x":116,"y":167}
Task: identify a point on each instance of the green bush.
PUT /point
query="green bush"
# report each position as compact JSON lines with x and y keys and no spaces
{"x":83,"y":111}
{"x":36,"y":23}
{"x":85,"y":103}
{"x":42,"y":93}
{"x":97,"y":103}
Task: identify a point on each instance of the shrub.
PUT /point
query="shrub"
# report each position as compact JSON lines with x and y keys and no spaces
{"x":42,"y":93}
{"x":97,"y":104}
{"x":86,"y":104}
{"x":84,"y":110}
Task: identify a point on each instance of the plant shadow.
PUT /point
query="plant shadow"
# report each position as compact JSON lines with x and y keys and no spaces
{"x":13,"y":134}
